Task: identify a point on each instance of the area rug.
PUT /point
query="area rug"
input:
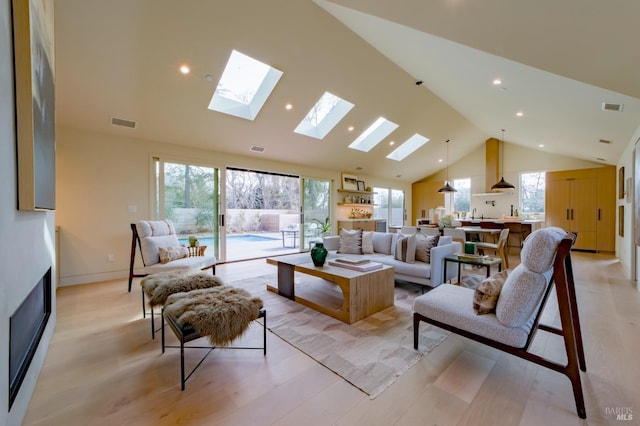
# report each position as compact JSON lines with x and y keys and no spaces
{"x":370,"y":354}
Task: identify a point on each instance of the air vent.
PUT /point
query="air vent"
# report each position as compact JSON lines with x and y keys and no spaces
{"x":611,"y":107}
{"x":122,"y":122}
{"x":256,"y":148}
{"x":604,"y":141}
{"x":358,"y":168}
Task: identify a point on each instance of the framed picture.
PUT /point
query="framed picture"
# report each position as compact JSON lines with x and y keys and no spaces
{"x":361,"y":186}
{"x":628,"y":190}
{"x":349,"y":182}
{"x":621,"y":221}
{"x":621,"y":183}
{"x":34,"y":66}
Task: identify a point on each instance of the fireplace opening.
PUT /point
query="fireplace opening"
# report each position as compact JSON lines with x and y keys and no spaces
{"x":26,"y":327}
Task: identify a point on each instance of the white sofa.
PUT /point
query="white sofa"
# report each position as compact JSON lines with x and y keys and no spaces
{"x":384,"y":247}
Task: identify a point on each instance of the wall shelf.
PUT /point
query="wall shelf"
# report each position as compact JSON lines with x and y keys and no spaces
{"x":356,"y":204}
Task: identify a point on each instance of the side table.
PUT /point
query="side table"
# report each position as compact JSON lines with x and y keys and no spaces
{"x":481,"y":261}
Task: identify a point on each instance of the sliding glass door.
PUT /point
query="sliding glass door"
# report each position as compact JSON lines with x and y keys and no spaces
{"x":316,"y":210}
{"x":189,"y":195}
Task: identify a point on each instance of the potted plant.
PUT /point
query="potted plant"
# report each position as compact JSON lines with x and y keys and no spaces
{"x":325,"y":227}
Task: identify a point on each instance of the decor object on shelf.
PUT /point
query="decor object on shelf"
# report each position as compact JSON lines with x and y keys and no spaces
{"x":502,"y":184}
{"x":361,"y":185}
{"x":349,"y":182}
{"x":447,"y":186}
{"x":319,"y":254}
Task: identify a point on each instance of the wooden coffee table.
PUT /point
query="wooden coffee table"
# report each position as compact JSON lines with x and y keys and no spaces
{"x":362,"y":293}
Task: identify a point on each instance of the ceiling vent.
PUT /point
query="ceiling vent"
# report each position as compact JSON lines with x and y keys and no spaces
{"x":611,"y":107}
{"x":604,"y":141}
{"x":123,"y":123}
{"x":256,"y":148}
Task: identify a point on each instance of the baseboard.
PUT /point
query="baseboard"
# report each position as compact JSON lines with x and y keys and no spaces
{"x":93,"y":278}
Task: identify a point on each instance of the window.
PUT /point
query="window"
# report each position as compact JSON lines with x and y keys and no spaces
{"x":462,"y":198}
{"x":323,"y":116}
{"x":389,"y":206}
{"x":408,"y":147}
{"x":532,"y":187}
{"x":244,"y":86}
{"x":374,"y":134}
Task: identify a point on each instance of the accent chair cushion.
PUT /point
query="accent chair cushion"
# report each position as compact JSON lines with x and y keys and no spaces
{"x":520,"y":296}
{"x":539,"y":249}
{"x":155,"y":234}
{"x":485,"y":297}
{"x":350,"y":241}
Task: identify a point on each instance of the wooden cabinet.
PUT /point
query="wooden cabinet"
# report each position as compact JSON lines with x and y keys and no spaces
{"x":606,"y":209}
{"x":578,"y":201}
{"x":365,"y":225}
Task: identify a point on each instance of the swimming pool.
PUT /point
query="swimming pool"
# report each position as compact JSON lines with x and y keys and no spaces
{"x":244,"y":238}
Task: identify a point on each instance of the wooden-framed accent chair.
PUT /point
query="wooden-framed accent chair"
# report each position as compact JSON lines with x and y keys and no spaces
{"x":512,"y":326}
{"x":154,"y":236}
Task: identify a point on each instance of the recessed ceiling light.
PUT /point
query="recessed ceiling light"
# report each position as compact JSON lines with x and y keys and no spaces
{"x":209,"y":77}
{"x":497,"y":82}
{"x":288,"y":107}
{"x":350,"y":128}
{"x":541,"y":145}
{"x":184,"y":69}
{"x":440,"y":160}
{"x":392,"y":143}
{"x":519,"y":114}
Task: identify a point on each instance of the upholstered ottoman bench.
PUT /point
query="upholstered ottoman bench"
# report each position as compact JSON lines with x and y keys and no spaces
{"x":158,"y":287}
{"x":221,"y":314}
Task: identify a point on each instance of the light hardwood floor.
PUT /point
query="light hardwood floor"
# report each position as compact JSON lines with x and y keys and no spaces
{"x":103,"y":368}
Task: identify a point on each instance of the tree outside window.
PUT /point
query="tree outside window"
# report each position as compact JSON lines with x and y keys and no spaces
{"x":462,"y":198}
{"x":532,"y":187}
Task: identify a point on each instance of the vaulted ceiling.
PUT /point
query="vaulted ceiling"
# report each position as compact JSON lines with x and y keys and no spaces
{"x":558,"y":62}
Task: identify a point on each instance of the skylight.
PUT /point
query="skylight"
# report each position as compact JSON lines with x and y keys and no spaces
{"x":323,"y":116}
{"x":408,"y":147}
{"x":244,"y":87}
{"x":373,"y":135}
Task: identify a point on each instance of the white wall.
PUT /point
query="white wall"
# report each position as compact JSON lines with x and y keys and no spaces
{"x":625,"y":246}
{"x":99,"y":176}
{"x":27,"y":250}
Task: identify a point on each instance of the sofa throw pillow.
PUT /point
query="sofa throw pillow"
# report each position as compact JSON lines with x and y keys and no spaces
{"x":167,"y":254}
{"x":424,"y":244}
{"x":485,"y":297}
{"x":367,"y":242}
{"x":350,"y":241}
{"x":406,"y":248}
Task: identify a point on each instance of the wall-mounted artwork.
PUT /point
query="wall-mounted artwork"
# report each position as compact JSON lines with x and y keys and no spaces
{"x":35,"y":103}
{"x":349,"y":182}
{"x":621,"y":182}
{"x":636,"y":189}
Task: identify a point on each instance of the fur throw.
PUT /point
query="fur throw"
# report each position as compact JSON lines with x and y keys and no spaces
{"x":221,"y":313}
{"x":161,"y":285}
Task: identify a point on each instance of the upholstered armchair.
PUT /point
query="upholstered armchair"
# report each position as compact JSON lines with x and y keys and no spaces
{"x":161,"y":251}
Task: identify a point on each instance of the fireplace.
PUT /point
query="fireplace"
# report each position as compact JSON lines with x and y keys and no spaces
{"x":26,"y":326}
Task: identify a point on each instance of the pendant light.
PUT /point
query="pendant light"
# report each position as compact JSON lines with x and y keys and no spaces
{"x":447,"y":187}
{"x":502,"y":184}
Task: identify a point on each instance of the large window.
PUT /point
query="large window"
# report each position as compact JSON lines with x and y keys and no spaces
{"x":389,"y":206}
{"x":462,"y":198}
{"x":532,"y":193}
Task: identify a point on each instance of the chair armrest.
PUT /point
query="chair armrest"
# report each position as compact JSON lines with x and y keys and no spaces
{"x":437,"y":262}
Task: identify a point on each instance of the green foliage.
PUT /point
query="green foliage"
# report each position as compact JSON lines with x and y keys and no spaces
{"x":324,"y":226}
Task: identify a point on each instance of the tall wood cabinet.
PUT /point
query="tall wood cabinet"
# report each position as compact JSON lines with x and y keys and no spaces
{"x":583,"y":201}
